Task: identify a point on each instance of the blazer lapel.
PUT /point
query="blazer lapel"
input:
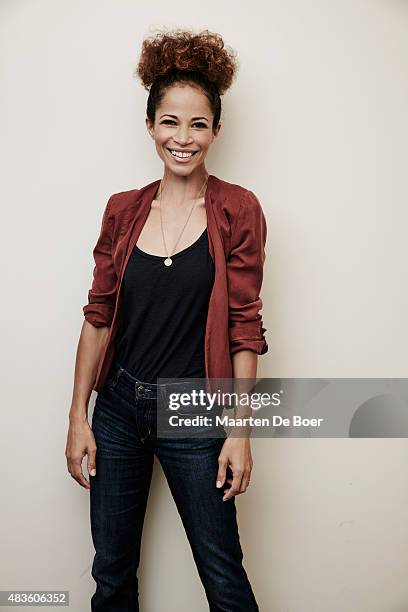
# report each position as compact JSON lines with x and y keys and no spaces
{"x":139,"y":211}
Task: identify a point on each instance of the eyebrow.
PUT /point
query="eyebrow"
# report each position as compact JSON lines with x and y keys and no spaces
{"x":175,"y":117}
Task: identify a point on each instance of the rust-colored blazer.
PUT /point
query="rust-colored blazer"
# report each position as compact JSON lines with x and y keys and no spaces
{"x":236,"y":230}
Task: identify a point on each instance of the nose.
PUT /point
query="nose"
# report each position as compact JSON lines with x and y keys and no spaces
{"x":182,"y":136}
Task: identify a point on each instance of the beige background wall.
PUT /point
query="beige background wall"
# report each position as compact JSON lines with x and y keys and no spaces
{"x":317,"y":126}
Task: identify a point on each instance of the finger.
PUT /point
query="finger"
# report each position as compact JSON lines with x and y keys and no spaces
{"x":222,"y":468}
{"x":236,"y":484}
{"x":76,"y":473}
{"x":245,"y":482}
{"x":92,"y":462}
{"x":80,"y":478}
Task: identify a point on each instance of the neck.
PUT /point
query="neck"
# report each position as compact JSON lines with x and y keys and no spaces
{"x":182,"y":188}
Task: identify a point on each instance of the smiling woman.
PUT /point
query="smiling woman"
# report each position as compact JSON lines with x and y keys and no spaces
{"x":183,"y":129}
{"x":186,"y":75}
{"x":175,"y":294}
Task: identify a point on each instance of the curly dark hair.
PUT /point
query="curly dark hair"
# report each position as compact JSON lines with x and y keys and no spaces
{"x":181,"y":56}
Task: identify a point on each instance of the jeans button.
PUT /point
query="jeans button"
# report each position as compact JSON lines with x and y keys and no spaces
{"x":141,"y":389}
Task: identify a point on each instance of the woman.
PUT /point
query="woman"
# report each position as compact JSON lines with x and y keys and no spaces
{"x":175,"y":293}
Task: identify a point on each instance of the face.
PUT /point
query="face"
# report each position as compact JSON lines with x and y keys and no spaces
{"x":182,"y":129}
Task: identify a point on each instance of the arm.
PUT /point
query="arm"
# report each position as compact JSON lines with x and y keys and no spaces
{"x":90,"y":347}
{"x":98,"y":314}
{"x":246,"y":333}
{"x":245,"y":364}
{"x":80,"y":438}
{"x":98,"y":317}
{"x":245,"y":277}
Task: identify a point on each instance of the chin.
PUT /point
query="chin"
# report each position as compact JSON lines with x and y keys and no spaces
{"x":180,"y":170}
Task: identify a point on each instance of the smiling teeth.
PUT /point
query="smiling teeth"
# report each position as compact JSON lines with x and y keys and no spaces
{"x":180,"y":154}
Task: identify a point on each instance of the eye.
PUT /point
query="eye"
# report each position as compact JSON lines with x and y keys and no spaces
{"x":199,"y":124}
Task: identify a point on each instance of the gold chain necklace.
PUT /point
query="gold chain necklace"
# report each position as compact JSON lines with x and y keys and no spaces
{"x":168,"y":261}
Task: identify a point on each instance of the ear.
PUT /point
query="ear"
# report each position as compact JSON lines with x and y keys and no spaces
{"x":216,"y":130}
{"x":149,"y":126}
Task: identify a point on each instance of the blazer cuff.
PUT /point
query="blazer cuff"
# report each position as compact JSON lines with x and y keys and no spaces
{"x":99,"y":315}
{"x":247,"y":336}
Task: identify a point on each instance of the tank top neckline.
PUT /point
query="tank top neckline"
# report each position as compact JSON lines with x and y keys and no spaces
{"x":182,"y":252}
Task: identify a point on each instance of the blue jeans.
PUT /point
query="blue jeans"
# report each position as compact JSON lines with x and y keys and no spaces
{"x":124,"y":428}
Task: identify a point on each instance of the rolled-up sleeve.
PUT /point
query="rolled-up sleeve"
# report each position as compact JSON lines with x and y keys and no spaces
{"x":102,"y":295}
{"x":245,"y":275}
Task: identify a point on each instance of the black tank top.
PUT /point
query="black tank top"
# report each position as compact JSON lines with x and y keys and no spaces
{"x":164,"y":313}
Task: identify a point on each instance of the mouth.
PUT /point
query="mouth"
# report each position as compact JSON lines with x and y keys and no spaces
{"x":181,"y":156}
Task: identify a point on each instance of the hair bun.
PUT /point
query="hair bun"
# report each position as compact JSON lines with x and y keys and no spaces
{"x":204,"y":52}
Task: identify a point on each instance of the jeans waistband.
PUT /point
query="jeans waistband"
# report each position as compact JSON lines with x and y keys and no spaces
{"x":120,"y":377}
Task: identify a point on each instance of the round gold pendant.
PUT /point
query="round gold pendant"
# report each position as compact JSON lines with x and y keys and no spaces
{"x":168,"y":261}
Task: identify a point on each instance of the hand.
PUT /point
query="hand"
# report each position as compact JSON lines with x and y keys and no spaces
{"x":236,"y":454}
{"x":80,"y":441}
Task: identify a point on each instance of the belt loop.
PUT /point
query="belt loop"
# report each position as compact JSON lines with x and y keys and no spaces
{"x":118,"y":374}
